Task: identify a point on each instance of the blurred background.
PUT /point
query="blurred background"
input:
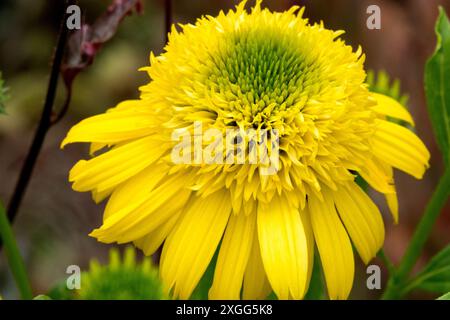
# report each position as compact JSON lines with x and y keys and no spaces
{"x":53,"y":223}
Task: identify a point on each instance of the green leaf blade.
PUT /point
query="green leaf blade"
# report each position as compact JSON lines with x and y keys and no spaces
{"x":444,"y":297}
{"x":13,"y":254}
{"x":435,"y":277}
{"x":437,"y":85}
{"x":316,"y":285}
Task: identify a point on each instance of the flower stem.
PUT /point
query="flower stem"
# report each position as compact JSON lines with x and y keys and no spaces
{"x":44,"y":123}
{"x":387,"y":262}
{"x":13,"y":255}
{"x":167,"y":17}
{"x":425,"y":226}
{"x":440,"y":196}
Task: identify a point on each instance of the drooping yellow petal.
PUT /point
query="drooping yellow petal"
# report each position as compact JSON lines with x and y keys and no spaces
{"x":151,"y":242}
{"x":112,"y":127}
{"x":190,"y":246}
{"x":400,"y":148}
{"x":379,"y":176}
{"x":390,"y":107}
{"x":102,"y":195}
{"x":284,"y":247}
{"x":233,"y":257}
{"x":256,"y":285}
{"x":361,"y":218}
{"x":115,"y":166}
{"x":334,"y":247}
{"x":306,"y":219}
{"x":135,"y":190}
{"x":392,"y":201}
{"x":138,"y":219}
{"x":150,"y":217}
{"x":96,"y":146}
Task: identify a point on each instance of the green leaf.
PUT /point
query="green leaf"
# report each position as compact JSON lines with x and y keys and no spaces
{"x":61,"y":292}
{"x":444,"y":297}
{"x":437,"y":85}
{"x":13,"y":256}
{"x":435,"y":277}
{"x":202,"y":289}
{"x":316,"y":285}
{"x":362,"y":183}
{"x":42,"y":297}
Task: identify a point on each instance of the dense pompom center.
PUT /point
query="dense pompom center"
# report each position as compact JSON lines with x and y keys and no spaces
{"x":267,"y":71}
{"x":261,"y":73}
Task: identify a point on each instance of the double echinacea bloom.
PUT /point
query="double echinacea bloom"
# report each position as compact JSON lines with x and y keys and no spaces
{"x":256,"y":70}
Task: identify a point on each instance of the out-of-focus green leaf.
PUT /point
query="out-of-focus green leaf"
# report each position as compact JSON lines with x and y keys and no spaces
{"x":13,"y":255}
{"x":437,"y":85}
{"x":444,"y":297}
{"x":202,"y":289}
{"x":316,"y":285}
{"x":42,"y":297}
{"x":3,"y":94}
{"x":61,"y":292}
{"x":435,"y":277}
{"x":362,"y":183}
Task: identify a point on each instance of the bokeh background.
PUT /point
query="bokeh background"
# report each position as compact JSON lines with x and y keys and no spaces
{"x":54,"y":221}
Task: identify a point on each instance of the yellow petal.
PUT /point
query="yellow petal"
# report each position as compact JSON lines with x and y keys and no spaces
{"x":138,"y":219}
{"x":361,"y":218}
{"x":284,"y":248}
{"x":189,"y":248}
{"x":136,"y":189}
{"x":233,"y":257}
{"x":151,"y":242}
{"x":256,"y":285}
{"x":115,"y":166}
{"x":392,"y":201}
{"x":400,"y":148}
{"x":150,"y":217}
{"x":334,"y":246}
{"x":102,"y":195}
{"x":390,"y":107}
{"x":112,"y":127}
{"x":378,"y":175}
{"x":95,"y":146}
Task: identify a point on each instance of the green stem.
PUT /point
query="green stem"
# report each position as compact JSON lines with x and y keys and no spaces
{"x":387,"y":262}
{"x":394,"y":289}
{"x":13,"y":255}
{"x":425,"y":226}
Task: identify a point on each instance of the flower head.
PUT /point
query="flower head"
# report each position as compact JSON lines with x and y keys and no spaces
{"x":257,"y":71}
{"x":121,"y":280}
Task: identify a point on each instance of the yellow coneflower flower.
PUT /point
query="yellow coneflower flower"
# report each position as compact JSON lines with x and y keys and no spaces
{"x":257,"y":70}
